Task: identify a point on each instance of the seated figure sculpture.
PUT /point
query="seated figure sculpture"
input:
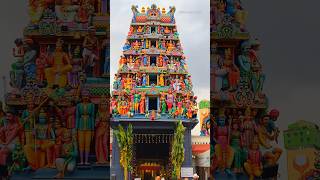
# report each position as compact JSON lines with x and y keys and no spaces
{"x":57,"y":74}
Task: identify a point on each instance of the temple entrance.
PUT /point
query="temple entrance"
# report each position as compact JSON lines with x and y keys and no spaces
{"x":152,"y":155}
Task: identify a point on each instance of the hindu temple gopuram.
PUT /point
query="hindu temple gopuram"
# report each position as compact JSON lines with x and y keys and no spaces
{"x":152,"y":91}
{"x":244,"y":132}
{"x":57,"y":109}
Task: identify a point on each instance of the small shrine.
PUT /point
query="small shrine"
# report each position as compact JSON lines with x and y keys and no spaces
{"x":244,"y":135}
{"x":152,"y":91}
{"x":58,"y":104}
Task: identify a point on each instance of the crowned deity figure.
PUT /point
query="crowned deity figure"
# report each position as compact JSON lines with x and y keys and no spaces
{"x":257,"y":75}
{"x":28,"y":120}
{"x":57,"y":73}
{"x":9,"y":135}
{"x":253,"y":165}
{"x":42,"y":151}
{"x":244,"y":62}
{"x":102,"y":131}
{"x":66,"y":161}
{"x":85,"y":114}
{"x":249,"y":129}
{"x":90,"y":52}
{"x":223,"y":150}
{"x":16,"y":74}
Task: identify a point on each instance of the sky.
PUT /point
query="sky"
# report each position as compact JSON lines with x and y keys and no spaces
{"x":193,"y":25}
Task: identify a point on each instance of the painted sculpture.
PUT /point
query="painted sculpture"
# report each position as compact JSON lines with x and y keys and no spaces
{"x":152,"y":82}
{"x":58,"y":75}
{"x":238,"y":98}
{"x":85,"y":126}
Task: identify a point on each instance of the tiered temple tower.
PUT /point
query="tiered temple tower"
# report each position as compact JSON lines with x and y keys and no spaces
{"x":244,"y":135}
{"x":60,"y":87}
{"x":152,"y":90}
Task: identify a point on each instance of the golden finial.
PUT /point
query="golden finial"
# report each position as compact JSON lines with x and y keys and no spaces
{"x":143,"y":10}
{"x":163,"y":10}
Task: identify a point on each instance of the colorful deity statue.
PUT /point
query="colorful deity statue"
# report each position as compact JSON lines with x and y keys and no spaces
{"x":163,"y":103}
{"x":41,"y":63}
{"x":130,"y":31}
{"x":128,"y":82}
{"x":101,"y":133}
{"x":113,"y":106}
{"x":16,"y":74}
{"x":90,"y":50}
{"x":145,"y":60}
{"x":142,"y":103}
{"x":170,"y":100}
{"x":253,"y":165}
{"x":122,"y":106}
{"x":257,"y":76}
{"x":57,"y":73}
{"x":140,"y":29}
{"x":244,"y":62}
{"x":85,"y":12}
{"x":160,"y":61}
{"x":223,"y":150}
{"x":167,"y":30}
{"x":161,"y":80}
{"x":28,"y":120}
{"x":249,"y":129}
{"x":263,"y":135}
{"x":10,"y":133}
{"x":85,"y":126}
{"x":233,"y":71}
{"x":220,"y":72}
{"x":137,"y":98}
{"x":236,"y":145}
{"x":126,"y":46}
{"x":144,"y":81}
{"x":29,"y":58}
{"x":135,"y":45}
{"x":66,"y":161}
{"x":42,"y":151}
{"x":76,"y":63}
{"x":170,"y":47}
{"x":70,"y":115}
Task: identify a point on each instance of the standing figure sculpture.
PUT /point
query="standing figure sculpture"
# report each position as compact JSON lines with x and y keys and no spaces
{"x":85,"y":126}
{"x":29,"y":58}
{"x":223,"y":151}
{"x":249,"y":129}
{"x":244,"y":62}
{"x":101,"y":133}
{"x":257,"y":76}
{"x":142,"y":103}
{"x":28,"y":120}
{"x":90,"y":52}
{"x":16,"y":74}
{"x":42,"y":151}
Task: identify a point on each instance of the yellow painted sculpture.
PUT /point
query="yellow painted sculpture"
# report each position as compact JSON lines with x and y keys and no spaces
{"x":161,"y":80}
{"x":60,"y":67}
{"x":253,"y":165}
